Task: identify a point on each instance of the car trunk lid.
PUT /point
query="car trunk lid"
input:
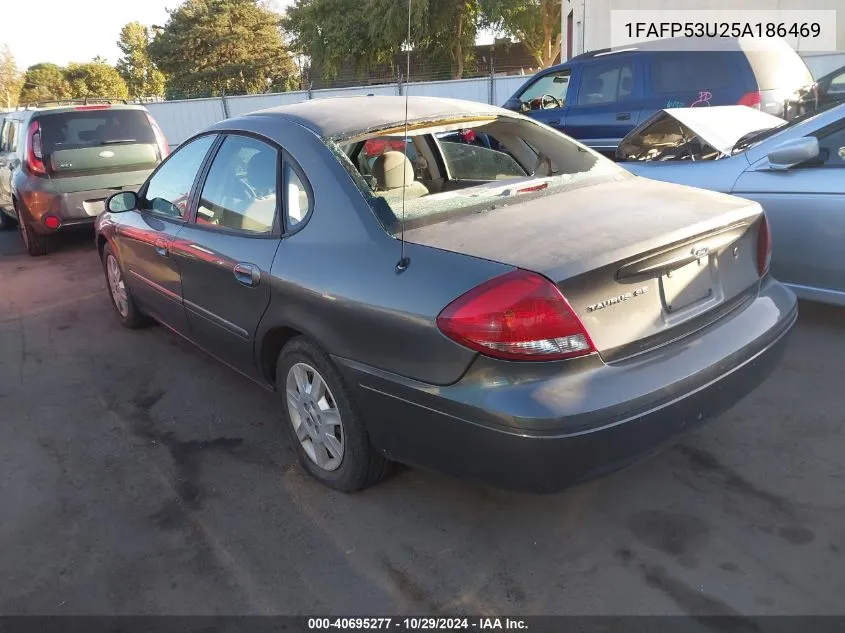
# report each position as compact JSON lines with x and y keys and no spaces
{"x":641,"y":262}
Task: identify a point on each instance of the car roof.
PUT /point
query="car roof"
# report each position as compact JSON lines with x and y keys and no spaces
{"x":340,"y":117}
{"x":700,"y":45}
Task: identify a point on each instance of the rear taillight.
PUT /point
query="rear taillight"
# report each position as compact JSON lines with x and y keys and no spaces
{"x":518,"y":316}
{"x":751,"y":99}
{"x":764,"y":246}
{"x":161,"y":140}
{"x":34,"y":153}
{"x":52,"y":222}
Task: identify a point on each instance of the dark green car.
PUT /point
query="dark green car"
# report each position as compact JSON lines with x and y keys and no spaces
{"x":59,"y":163}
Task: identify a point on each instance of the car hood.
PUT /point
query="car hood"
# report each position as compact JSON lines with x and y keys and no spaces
{"x":718,"y":126}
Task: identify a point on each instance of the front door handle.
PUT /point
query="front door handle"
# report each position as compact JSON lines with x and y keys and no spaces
{"x":247,"y":274}
{"x":623,"y":116}
{"x":554,"y":122}
{"x":161,"y":247}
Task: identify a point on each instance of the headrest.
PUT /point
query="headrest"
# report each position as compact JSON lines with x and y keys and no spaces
{"x":392,"y":170}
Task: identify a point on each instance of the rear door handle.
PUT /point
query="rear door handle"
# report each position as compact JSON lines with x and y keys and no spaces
{"x":623,"y":116}
{"x":247,"y":274}
{"x":161,"y":247}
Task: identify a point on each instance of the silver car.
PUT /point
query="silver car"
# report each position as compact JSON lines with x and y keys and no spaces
{"x":795,"y":170}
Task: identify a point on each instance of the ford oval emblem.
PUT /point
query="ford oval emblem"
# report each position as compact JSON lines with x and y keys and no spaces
{"x":106,"y":154}
{"x":700,"y":251}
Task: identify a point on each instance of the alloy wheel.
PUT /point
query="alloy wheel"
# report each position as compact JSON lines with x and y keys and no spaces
{"x":315,"y":416}
{"x":116,"y":286}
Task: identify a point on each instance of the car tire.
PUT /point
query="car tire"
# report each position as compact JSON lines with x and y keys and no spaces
{"x":35,"y":244}
{"x":353,"y":464}
{"x":6,"y":222}
{"x":121,"y":297}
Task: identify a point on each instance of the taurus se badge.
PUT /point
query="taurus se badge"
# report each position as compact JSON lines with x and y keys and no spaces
{"x":618,"y":299}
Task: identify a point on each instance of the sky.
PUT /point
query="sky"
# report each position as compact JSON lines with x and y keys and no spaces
{"x":62,"y":31}
{"x":79,"y":30}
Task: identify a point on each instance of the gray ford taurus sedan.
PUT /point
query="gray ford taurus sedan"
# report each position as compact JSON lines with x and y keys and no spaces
{"x":548,"y":317}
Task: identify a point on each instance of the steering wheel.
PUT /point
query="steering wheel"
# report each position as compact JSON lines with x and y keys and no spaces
{"x":552,"y":99}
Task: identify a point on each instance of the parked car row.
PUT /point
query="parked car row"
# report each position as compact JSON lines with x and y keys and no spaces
{"x":59,"y":161}
{"x":448,"y":284}
{"x":599,"y":97}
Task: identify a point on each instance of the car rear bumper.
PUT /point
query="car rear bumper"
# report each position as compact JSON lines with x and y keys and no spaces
{"x":543,"y":426}
{"x":76,"y":209}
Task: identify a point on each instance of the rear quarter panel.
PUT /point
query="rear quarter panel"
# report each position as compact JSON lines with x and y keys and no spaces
{"x":335,"y":280}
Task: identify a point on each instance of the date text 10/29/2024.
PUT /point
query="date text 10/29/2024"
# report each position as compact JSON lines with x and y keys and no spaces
{"x":417,"y":624}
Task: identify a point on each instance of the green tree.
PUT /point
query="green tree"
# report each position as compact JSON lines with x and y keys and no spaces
{"x":95,"y":79}
{"x":10,"y":78}
{"x":535,"y":23}
{"x":209,"y":47}
{"x":135,"y":66}
{"x":333,"y":32}
{"x":368,"y":32}
{"x":43,"y":82}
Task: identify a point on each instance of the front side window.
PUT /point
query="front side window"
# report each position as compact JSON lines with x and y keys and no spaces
{"x":168,"y":190}
{"x":240,"y":190}
{"x":832,"y":149}
{"x":605,"y":84}
{"x":837,"y":84}
{"x":553,"y":85}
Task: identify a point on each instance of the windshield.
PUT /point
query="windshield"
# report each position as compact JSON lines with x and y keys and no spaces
{"x":753,"y":138}
{"x":455,"y":167}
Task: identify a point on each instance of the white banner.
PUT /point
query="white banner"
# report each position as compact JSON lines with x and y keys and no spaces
{"x":719,"y":29}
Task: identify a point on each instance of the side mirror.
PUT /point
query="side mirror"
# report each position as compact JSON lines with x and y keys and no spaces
{"x":122,"y":201}
{"x":513,"y":104}
{"x":794,"y":152}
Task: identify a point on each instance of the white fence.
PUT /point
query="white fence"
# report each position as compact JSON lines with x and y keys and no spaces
{"x":181,"y":119}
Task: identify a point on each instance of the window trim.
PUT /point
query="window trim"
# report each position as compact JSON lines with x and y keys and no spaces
{"x":191,"y":217}
{"x":142,"y":192}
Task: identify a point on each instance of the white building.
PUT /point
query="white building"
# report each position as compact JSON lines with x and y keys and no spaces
{"x":586,"y":23}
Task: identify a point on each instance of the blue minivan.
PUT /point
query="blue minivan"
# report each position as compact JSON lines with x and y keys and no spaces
{"x":598,"y":97}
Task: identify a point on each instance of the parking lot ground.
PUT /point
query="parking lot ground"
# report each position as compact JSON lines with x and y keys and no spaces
{"x":138,"y":475}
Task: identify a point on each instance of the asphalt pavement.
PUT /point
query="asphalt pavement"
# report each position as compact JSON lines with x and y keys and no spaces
{"x":139,"y":476}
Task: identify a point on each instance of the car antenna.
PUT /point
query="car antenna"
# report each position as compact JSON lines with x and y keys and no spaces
{"x":404,"y":261}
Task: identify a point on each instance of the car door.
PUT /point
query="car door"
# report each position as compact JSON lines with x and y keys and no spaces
{"x":546,"y":97}
{"x":607,"y":104}
{"x":806,"y":209}
{"x":144,"y":237}
{"x":226,"y":251}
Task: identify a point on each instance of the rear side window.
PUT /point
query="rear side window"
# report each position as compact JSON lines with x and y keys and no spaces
{"x":8,"y":135}
{"x":781,"y":67}
{"x":689,"y":72}
{"x":602,"y":84}
{"x":240,"y":189}
{"x":76,"y":129}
